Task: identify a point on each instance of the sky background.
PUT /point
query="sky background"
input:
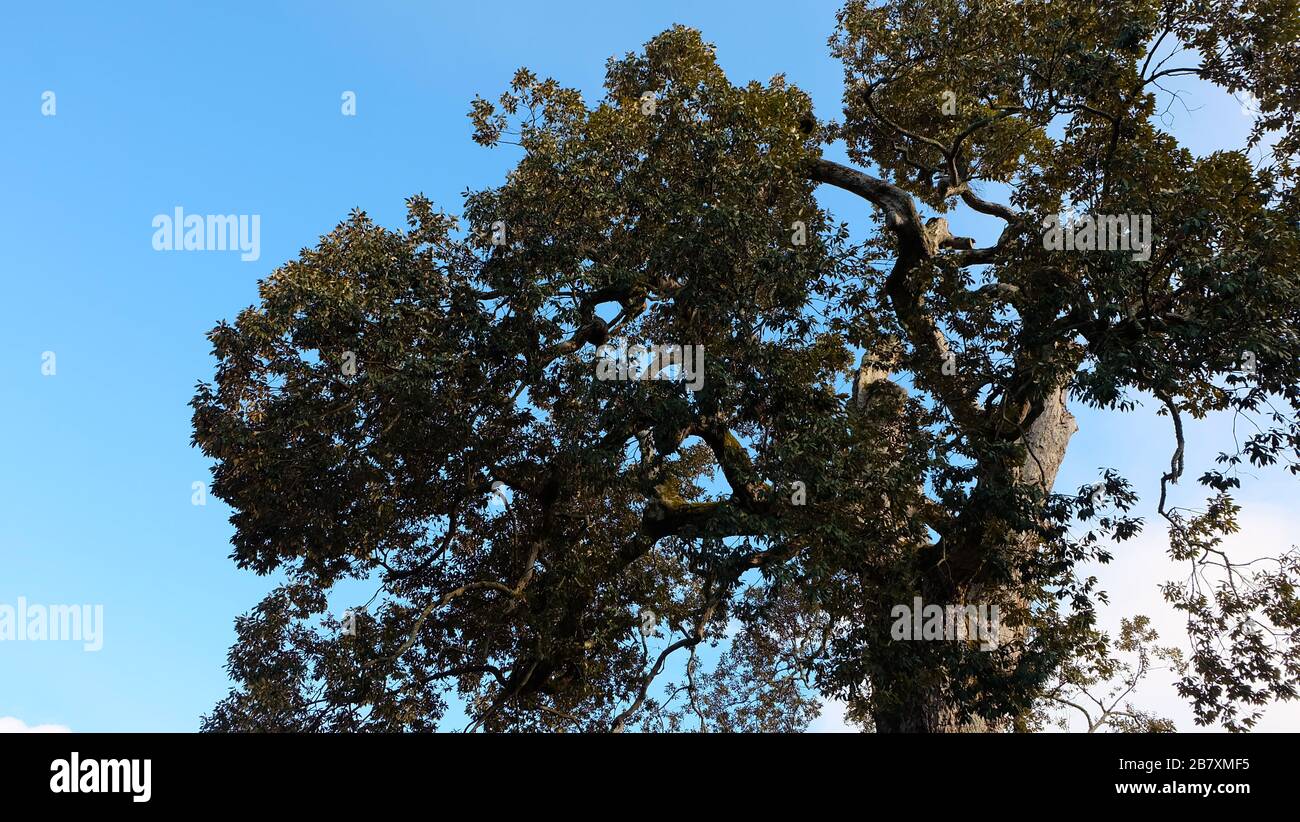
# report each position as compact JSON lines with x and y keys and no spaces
{"x":236,"y":110}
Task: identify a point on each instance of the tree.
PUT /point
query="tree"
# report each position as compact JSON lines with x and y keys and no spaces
{"x":1096,"y":690}
{"x":421,"y":409}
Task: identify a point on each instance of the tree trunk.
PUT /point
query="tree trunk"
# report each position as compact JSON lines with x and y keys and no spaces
{"x":930,"y":709}
{"x":928,"y":713}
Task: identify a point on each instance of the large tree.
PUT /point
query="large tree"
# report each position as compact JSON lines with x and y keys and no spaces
{"x":876,"y":420}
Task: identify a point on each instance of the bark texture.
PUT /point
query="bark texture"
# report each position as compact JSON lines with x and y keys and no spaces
{"x":930,"y":708}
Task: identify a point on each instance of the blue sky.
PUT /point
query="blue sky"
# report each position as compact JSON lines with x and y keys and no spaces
{"x":236,"y":109}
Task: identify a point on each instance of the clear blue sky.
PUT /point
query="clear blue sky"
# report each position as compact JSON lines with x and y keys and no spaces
{"x":237,"y":110}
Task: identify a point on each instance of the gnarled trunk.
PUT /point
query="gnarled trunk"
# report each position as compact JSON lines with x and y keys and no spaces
{"x":929,"y":708}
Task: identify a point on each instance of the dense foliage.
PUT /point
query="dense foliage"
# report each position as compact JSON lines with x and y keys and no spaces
{"x":420,"y":408}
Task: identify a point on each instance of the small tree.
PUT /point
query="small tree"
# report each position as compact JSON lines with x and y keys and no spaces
{"x":421,"y":408}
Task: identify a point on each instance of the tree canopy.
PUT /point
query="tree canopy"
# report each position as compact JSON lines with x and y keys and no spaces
{"x":876,"y":420}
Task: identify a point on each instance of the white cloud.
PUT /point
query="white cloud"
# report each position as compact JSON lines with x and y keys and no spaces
{"x":13,"y":725}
